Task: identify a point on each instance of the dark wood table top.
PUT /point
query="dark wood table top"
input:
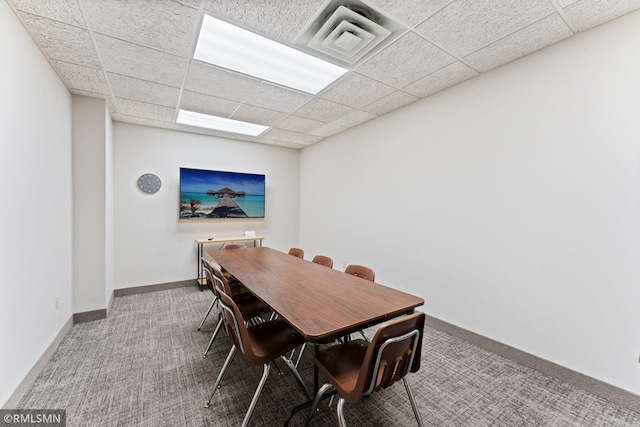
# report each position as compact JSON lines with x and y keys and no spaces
{"x":320,"y":302}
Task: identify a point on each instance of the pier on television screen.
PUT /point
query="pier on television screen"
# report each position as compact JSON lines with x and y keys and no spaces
{"x":218,"y":194}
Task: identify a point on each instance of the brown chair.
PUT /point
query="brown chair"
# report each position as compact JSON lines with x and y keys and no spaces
{"x":361,"y":271}
{"x":206,"y":267}
{"x":250,"y":305}
{"x":260,"y":344}
{"x":323,"y":260}
{"x":358,"y":368}
{"x":237,"y":288}
{"x":234,"y":246}
{"x":364,"y":273}
{"x":296,"y":252}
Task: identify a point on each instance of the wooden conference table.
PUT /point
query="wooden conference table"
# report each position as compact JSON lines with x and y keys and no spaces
{"x":319,"y":302}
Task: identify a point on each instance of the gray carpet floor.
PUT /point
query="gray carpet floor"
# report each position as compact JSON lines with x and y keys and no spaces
{"x":143,"y":366}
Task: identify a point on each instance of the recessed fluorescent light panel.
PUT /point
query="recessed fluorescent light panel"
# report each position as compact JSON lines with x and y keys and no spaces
{"x":228,"y":46}
{"x":192,"y":118}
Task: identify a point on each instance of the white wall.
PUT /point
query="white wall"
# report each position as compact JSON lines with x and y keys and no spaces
{"x":35,"y":189}
{"x":151,"y":244}
{"x":92,"y":234}
{"x":511,"y":202}
{"x":109,"y":221}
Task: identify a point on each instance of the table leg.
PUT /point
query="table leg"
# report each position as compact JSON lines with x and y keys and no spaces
{"x":316,"y":348}
{"x":200,"y":249}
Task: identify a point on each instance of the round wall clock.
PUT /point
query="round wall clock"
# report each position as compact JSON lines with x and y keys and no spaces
{"x":149,"y":183}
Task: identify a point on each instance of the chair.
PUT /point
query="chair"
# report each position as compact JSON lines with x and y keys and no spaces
{"x":234,"y":246}
{"x":364,"y":273}
{"x":250,"y":306}
{"x":358,"y":368}
{"x":361,"y":271}
{"x":237,"y":289}
{"x":260,"y":344}
{"x":296,"y":252}
{"x":323,"y":260}
{"x":209,"y":283}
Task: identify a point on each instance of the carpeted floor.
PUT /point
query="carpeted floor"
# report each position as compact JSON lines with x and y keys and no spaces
{"x":143,"y":366}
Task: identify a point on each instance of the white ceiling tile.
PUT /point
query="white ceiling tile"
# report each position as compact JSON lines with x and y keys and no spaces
{"x":90,"y":94}
{"x":168,"y":28}
{"x":323,"y":110}
{"x":82,"y":78}
{"x":585,"y":14}
{"x":261,"y":116}
{"x":142,"y":121}
{"x":66,"y":11}
{"x":534,"y":37}
{"x":465,"y":26}
{"x":277,"y":98}
{"x":144,"y":110}
{"x":269,"y":141}
{"x":327,"y":130}
{"x":354,"y":118}
{"x":191,"y":3}
{"x":146,"y":48}
{"x":299,"y":124}
{"x":406,"y":60}
{"x":206,"y":104}
{"x":294,"y":145}
{"x":141,"y":62}
{"x":141,"y":90}
{"x":443,"y":78}
{"x":288,"y":136}
{"x":410,"y":12}
{"x":279,"y":20}
{"x":356,"y":90}
{"x":62,"y":41}
{"x":218,"y":82}
{"x":391,"y":102}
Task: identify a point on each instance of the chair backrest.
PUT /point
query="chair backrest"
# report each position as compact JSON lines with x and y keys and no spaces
{"x":208,"y":274}
{"x":220,"y":280}
{"x":233,"y":319}
{"x":237,"y":330}
{"x":296,"y":252}
{"x":361,"y":271}
{"x":235,"y":246}
{"x":323,"y":260}
{"x":394,"y":351}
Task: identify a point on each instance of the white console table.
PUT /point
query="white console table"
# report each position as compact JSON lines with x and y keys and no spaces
{"x":257,"y":240}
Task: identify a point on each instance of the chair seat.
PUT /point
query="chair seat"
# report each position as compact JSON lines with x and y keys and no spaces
{"x":238,"y":289}
{"x":250,"y":305}
{"x":343,"y":363}
{"x":271,"y":339}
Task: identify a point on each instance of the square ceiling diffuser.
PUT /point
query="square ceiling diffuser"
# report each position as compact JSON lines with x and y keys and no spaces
{"x":347,"y":31}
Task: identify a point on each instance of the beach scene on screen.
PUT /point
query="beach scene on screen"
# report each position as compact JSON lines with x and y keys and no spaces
{"x":218,"y":194}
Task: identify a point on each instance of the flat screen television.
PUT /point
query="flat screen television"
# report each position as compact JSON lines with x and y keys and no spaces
{"x":217,"y":194}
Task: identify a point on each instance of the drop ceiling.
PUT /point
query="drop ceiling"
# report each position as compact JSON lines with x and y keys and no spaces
{"x":137,"y":55}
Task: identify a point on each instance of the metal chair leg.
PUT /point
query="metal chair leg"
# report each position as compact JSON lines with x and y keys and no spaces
{"x":413,"y":403}
{"x":215,"y":300}
{"x":300,"y":355}
{"x":316,"y":401}
{"x":296,"y":374}
{"x":227,"y":362}
{"x":215,"y":334}
{"x":256,"y":395}
{"x":340,"y":410}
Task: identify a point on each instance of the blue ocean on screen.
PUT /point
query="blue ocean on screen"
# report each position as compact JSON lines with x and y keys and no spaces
{"x":252,"y":205}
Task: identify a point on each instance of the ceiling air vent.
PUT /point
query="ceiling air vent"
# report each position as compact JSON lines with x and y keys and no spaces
{"x":346,"y":32}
